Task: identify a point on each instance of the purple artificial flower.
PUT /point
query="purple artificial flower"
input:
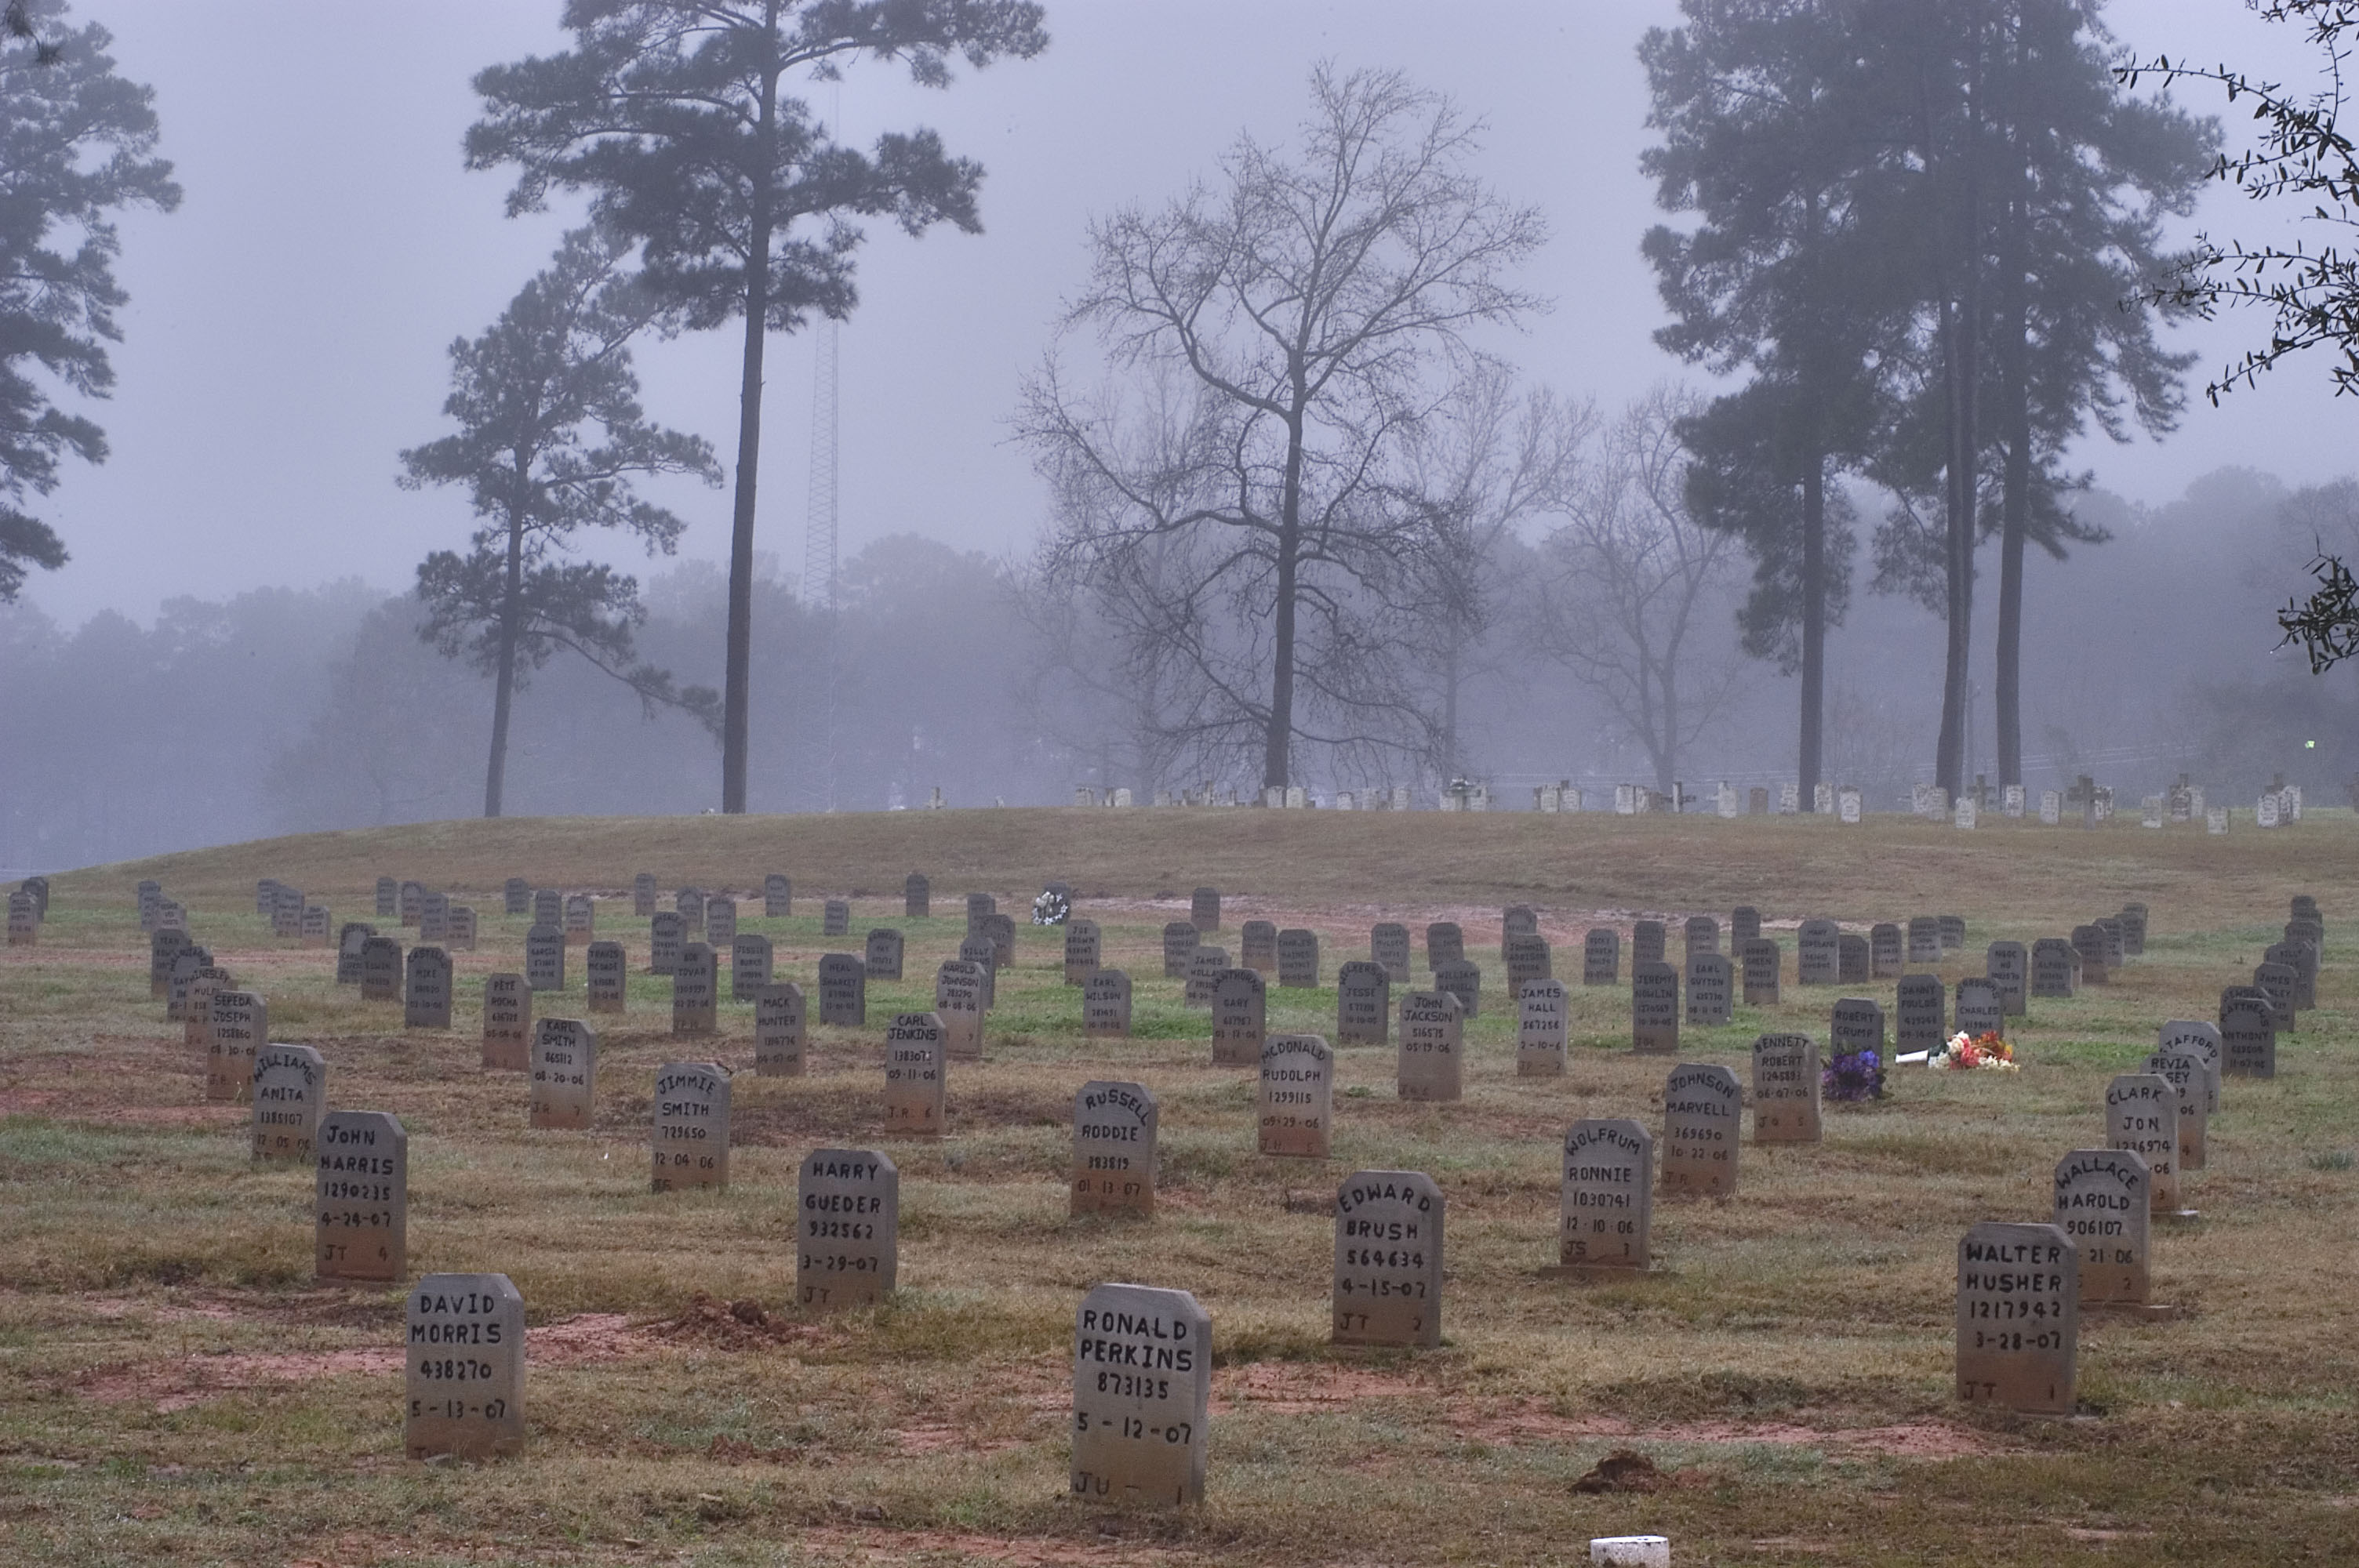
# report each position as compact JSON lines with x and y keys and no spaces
{"x":1854,"y":1075}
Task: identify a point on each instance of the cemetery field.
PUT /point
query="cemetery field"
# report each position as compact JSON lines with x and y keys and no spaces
{"x":175,"y":1387}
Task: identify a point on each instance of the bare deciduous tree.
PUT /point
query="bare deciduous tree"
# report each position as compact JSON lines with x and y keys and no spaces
{"x":1632,"y":578}
{"x":1303,"y":308}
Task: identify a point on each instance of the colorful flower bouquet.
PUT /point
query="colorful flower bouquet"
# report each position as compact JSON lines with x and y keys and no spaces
{"x":1983,"y":1053}
{"x":1854,"y":1075}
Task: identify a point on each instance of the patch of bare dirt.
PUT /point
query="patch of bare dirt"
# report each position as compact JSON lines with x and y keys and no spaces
{"x":733,"y":1325}
{"x":1294,"y":1388}
{"x":1034,"y":1552}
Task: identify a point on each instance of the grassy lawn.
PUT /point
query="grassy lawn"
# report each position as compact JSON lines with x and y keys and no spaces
{"x":178,"y":1390}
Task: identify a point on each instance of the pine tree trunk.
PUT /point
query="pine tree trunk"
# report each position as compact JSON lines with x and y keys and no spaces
{"x":504,"y":685}
{"x":737,"y":697}
{"x":2014,"y":501}
{"x":1814,"y":628}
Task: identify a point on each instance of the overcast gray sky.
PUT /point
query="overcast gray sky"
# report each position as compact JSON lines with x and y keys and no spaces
{"x":287,"y":326}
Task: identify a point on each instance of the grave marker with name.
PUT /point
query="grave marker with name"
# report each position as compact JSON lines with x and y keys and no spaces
{"x":842,"y":989}
{"x":835,"y":918}
{"x":1710,"y":981}
{"x":290,"y":1095}
{"x":1601,"y":957}
{"x":1363,"y":1004}
{"x":1205,"y":966}
{"x":1388,"y":945}
{"x":1654,"y":1009}
{"x":389,"y":899}
{"x":720,"y":923}
{"x":1083,"y":946}
{"x":1743,"y":926}
{"x":1819,"y":954}
{"x":360,"y":1198}
{"x":412,"y":903}
{"x":2018,"y":1317}
{"x":1114,"y":1149}
{"x":1258,"y":947}
{"x":1605,"y":1216}
{"x":348,"y":951}
{"x":2008,"y":967}
{"x":2248,"y":1036}
{"x":689,"y":905}
{"x":1432,"y":1047}
{"x":1463,"y":979}
{"x":1297,"y":958}
{"x":917,"y":897}
{"x":1920,"y":1017}
{"x":1142,"y":1391}
{"x":1762,"y":960}
{"x":2055,"y":968}
{"x":544,"y":958}
{"x":1786,"y":1084}
{"x":1979,"y":1011}
{"x":883,"y":954}
{"x":696,"y":991}
{"x":548,"y":908}
{"x":1924,"y":939}
{"x":1205,"y":909}
{"x":1388,"y":1260}
{"x":1240,"y":1002}
{"x":580,"y":920}
{"x":666,"y":935}
{"x":983,"y":954}
{"x":426,"y":992}
{"x":2142,"y":1115}
{"x":778,"y":1031}
{"x":643,"y":895}
{"x":1887,"y":951}
{"x":507,"y":1023}
{"x":380,"y":969}
{"x":462,"y":927}
{"x":691,"y":1139}
{"x":2190,"y":1078}
{"x":1000,"y":929}
{"x":847,"y":1242}
{"x":2090,"y":943}
{"x":752,"y":958}
{"x":1296,"y":1107}
{"x":1704,"y":1112}
{"x":958,"y":1002}
{"x":1543,"y":1029}
{"x":1646,"y":941}
{"x":779,"y":896}
{"x":564,"y":1082}
{"x":1105,"y":1005}
{"x":1701,"y":934}
{"x":315,"y":922}
{"x":241,"y":1027}
{"x":917,"y":1079}
{"x":1445,"y":943}
{"x":1181,"y":939}
{"x":2102,"y":1204}
{"x":1855,"y":1023}
{"x":196,"y":1025}
{"x":1854,"y":965}
{"x":465,"y":1370}
{"x":1526,"y":958}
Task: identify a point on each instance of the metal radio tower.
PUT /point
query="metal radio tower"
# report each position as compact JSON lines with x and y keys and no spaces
{"x":819,"y":540}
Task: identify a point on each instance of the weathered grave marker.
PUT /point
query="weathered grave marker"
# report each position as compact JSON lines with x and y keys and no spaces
{"x":689,"y":905}
{"x":848,"y":1238}
{"x":580,"y":920}
{"x":915,"y":1076}
{"x":980,"y":907}
{"x":778,"y":895}
{"x":720,"y":923}
{"x":2190,"y":1078}
{"x":1517,"y":920}
{"x":1388,"y":1260}
{"x":1924,"y":939}
{"x":1205,"y":966}
{"x":1762,"y":960}
{"x":548,"y":908}
{"x":2277,"y":982}
{"x":1205,"y":909}
{"x":1445,"y":943}
{"x":1388,"y":945}
{"x":1543,"y":1029}
{"x":1743,"y":926}
{"x":2055,"y":968}
{"x":2248,"y":1036}
{"x":241,"y":1027}
{"x":1297,"y":1104}
{"x":1654,"y":1009}
{"x":883,"y":954}
{"x":1082,"y":948}
{"x":958,"y":1002}
{"x":1258,"y":947}
{"x":642,"y":894}
{"x":1953,"y":931}
{"x":835,"y":918}
{"x":412,"y":903}
{"x":507,"y":1023}
{"x":778,"y":1031}
{"x":1978,"y":1009}
{"x":666,"y":935}
{"x":1703,"y":1113}
{"x":544,"y":958}
{"x":842,"y":989}
{"x":426,"y":992}
{"x":2102,"y":1204}
{"x":1142,"y":1391}
{"x":1601,"y":957}
{"x":1114,"y":1149}
{"x":752,"y":957}
{"x":691,"y":1139}
{"x":380,"y":969}
{"x":465,"y":1382}
{"x":1853,"y":964}
{"x":1463,"y":979}
{"x":564,"y":1081}
{"x":2009,"y":965}
{"x":196,"y":1025}
{"x":696,"y":991}
{"x":1432,"y":1047}
{"x":461,"y":938}
{"x":1646,"y":941}
{"x":315,"y":920}
{"x":1710,"y":981}
{"x":290,"y":1095}
{"x":1819,"y":954}
{"x":1000,"y":928}
{"x":1920,"y":1014}
{"x":2018,"y":1317}
{"x":360,"y":1198}
{"x":1526,"y":958}
{"x":1786,"y":1084}
{"x":348,"y":951}
{"x":917,"y":897}
{"x":1240,"y":1017}
{"x":2090,"y":943}
{"x":1297,"y":958}
{"x":1180,"y":938}
{"x":389,"y":899}
{"x":1105,"y":1005}
{"x":1856,"y":1023}
{"x":1887,"y":951}
{"x":1363,"y":1004}
{"x":1606,"y":1212}
{"x":983,"y":954}
{"x":2142,"y":1115}
{"x":1701,"y":934}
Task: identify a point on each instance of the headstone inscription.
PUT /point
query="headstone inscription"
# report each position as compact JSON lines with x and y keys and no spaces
{"x":2248,"y":1036}
{"x":1445,"y":943}
{"x":1704,"y":1115}
{"x":778,"y":895}
{"x":690,"y":1138}
{"x":515,"y":895}
{"x":1702,"y":934}
{"x":1743,"y":926}
{"x":2102,"y":1204}
{"x":2297,"y":957}
{"x":1654,"y":1009}
{"x":666,"y":935}
{"x":1258,"y":944}
{"x":1710,"y":981}
{"x":778,"y":1031}
{"x":463,"y":928}
{"x":348,"y":951}
{"x":465,"y":1372}
{"x":185,"y":965}
{"x":843,"y":991}
{"x":2116,"y":944}
{"x":1240,"y":1017}
{"x":1646,"y":941}
{"x":1432,"y":1047}
{"x":1819,"y":954}
{"x":426,"y":992}
{"x":689,"y":905}
{"x":752,"y":957}
{"x":1296,"y":1108}
{"x":1953,"y":929}
{"x":291,"y":1094}
{"x":380,"y":969}
{"x":696,"y":991}
{"x":883,"y":954}
{"x":1205,"y":909}
{"x":197,"y":1017}
{"x":1849,"y":807}
{"x":1601,"y":957}
{"x":1363,"y":1004}
{"x":1463,"y":979}
{"x":1204,"y":966}
{"x":1920,"y":1021}
{"x":2133,"y":919}
{"x":1855,"y":1023}
{"x":2008,"y":967}
{"x":315,"y":919}
{"x":980,"y":906}
{"x":360,"y":1198}
{"x":2142,"y":1115}
{"x":1517,"y":920}
{"x":1142,"y":1392}
{"x":1388,"y":945}
{"x":1854,"y":966}
{"x":1887,"y":951}
{"x":1543,"y":1029}
{"x":389,"y":899}
{"x":983,"y":954}
{"x":915,"y":1078}
{"x":835,"y":918}
{"x":1924,"y":939}
{"x":507,"y":1023}
{"x":1105,"y":1005}
{"x":544,"y":958}
{"x":917,"y":897}
{"x":2090,"y":943}
{"x":581,"y":919}
{"x":2190,"y":1078}
{"x":412,"y":903}
{"x":1606,"y":1212}
{"x":1786,"y":1085}
{"x":642,"y":894}
{"x":266,"y":898}
{"x":163,"y":946}
{"x":2277,"y":982}
{"x":1083,"y":946}
{"x":720,"y":923}
{"x":1979,"y":1011}
{"x":2055,"y":968}
{"x":1763,"y":959}
{"x":1000,"y":929}
{"x":564,"y":1082}
{"x":548,"y":908}
{"x":1114,"y":1149}
{"x":1180,"y":938}
{"x":241,"y":1027}
{"x":1526,"y":958}
{"x":2018,"y":1317}
{"x":847,"y":1239}
{"x":1388,"y":1260}
{"x":1297,"y":958}
{"x":958,"y":1002}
